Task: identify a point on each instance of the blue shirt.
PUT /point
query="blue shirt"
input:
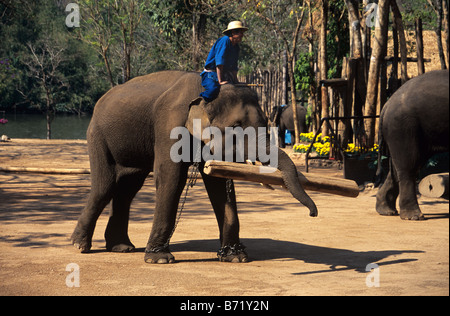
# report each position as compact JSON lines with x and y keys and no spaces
{"x":223,"y":53}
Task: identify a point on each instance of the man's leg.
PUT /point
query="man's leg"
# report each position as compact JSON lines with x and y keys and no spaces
{"x":211,"y":85}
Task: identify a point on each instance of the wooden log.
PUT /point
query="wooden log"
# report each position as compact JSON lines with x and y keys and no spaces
{"x":435,"y":186}
{"x":45,"y":170}
{"x":267,"y":175}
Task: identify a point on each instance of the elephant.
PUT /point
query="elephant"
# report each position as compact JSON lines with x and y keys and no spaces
{"x":283,"y":118}
{"x":129,"y":136}
{"x":414,"y":125}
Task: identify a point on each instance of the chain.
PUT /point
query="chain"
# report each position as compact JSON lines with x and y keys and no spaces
{"x":190,"y":184}
{"x":229,"y":189}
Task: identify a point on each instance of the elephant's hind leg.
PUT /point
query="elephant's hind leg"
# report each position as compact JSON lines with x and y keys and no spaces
{"x":129,"y":182}
{"x":102,"y":188}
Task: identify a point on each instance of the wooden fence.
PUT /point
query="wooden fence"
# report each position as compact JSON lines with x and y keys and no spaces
{"x":271,"y":87}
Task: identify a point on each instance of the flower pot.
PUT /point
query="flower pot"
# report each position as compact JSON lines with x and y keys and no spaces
{"x":358,"y":169}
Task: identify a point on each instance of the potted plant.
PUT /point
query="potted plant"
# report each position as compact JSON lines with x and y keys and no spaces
{"x":360,"y":163}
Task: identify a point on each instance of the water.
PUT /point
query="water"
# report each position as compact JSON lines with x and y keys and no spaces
{"x":35,"y":126}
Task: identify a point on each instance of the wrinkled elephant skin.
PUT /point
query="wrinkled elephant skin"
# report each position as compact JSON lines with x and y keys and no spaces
{"x":414,"y":125}
{"x":129,"y":136}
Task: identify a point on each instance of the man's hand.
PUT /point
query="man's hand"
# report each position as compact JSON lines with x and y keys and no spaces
{"x":220,"y":74}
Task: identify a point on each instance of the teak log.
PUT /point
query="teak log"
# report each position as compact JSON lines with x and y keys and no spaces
{"x":435,"y":186}
{"x":45,"y":170}
{"x":267,"y":175}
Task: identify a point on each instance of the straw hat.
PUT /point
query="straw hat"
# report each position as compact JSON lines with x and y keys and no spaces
{"x":235,"y":25}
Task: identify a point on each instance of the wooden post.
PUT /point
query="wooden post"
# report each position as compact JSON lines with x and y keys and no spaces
{"x":272,"y":176}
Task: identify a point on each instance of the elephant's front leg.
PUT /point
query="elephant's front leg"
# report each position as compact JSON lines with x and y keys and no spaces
{"x":223,"y":199}
{"x":387,"y":196}
{"x":170,"y":179}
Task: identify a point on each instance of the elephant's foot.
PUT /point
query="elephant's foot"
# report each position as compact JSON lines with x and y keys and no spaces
{"x":412,"y":215}
{"x":160,"y":255}
{"x":118,"y":242}
{"x":120,"y":247}
{"x":385,"y":210}
{"x":81,"y":241}
{"x":234,"y":254}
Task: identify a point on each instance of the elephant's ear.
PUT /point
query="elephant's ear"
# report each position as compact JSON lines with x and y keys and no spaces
{"x":197,"y":112}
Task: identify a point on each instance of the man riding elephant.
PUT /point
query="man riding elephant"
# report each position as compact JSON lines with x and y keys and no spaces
{"x":221,"y":66}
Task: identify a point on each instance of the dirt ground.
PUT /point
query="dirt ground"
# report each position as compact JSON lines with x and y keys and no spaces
{"x":292,"y":254}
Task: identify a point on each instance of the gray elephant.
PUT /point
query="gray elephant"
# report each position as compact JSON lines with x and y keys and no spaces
{"x":283,"y":118}
{"x":130,"y":135}
{"x":414,"y":124}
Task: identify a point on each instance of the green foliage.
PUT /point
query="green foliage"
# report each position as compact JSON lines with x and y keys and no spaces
{"x":419,"y":9}
{"x":160,"y":34}
{"x":338,"y":38}
{"x":303,"y":73}
{"x":338,"y":46}
{"x":31,"y":31}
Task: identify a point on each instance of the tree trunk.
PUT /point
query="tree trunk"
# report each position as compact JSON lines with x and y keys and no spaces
{"x":439,"y":34}
{"x":357,"y":55}
{"x":393,"y":76}
{"x":378,"y":56}
{"x":323,"y":64}
{"x":402,"y":37}
{"x":293,"y":98}
{"x":107,"y":66}
{"x":356,"y":41}
{"x":126,"y":60}
{"x":419,"y":41}
{"x":198,"y":29}
{"x":48,"y":108}
{"x":446,"y":28}
{"x":284,"y":94}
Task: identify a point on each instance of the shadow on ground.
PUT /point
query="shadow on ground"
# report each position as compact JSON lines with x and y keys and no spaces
{"x":262,"y":249}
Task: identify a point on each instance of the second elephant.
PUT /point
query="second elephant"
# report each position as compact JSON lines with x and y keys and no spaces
{"x":283,"y":118}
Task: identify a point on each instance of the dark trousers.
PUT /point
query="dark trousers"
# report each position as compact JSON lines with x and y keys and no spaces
{"x":211,"y":84}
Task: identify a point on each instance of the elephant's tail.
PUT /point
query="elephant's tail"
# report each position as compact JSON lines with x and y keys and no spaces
{"x":383,"y":153}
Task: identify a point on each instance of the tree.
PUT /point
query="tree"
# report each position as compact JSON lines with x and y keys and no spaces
{"x":279,"y":15}
{"x":438,"y":6}
{"x":201,"y":11}
{"x":44,"y":65}
{"x":97,"y":29}
{"x":128,"y":15}
{"x":378,"y":56}
{"x":323,"y":65}
{"x":398,"y":25}
{"x":358,"y":54}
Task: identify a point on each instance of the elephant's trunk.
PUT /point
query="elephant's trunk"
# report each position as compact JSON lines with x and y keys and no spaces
{"x":291,"y":180}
